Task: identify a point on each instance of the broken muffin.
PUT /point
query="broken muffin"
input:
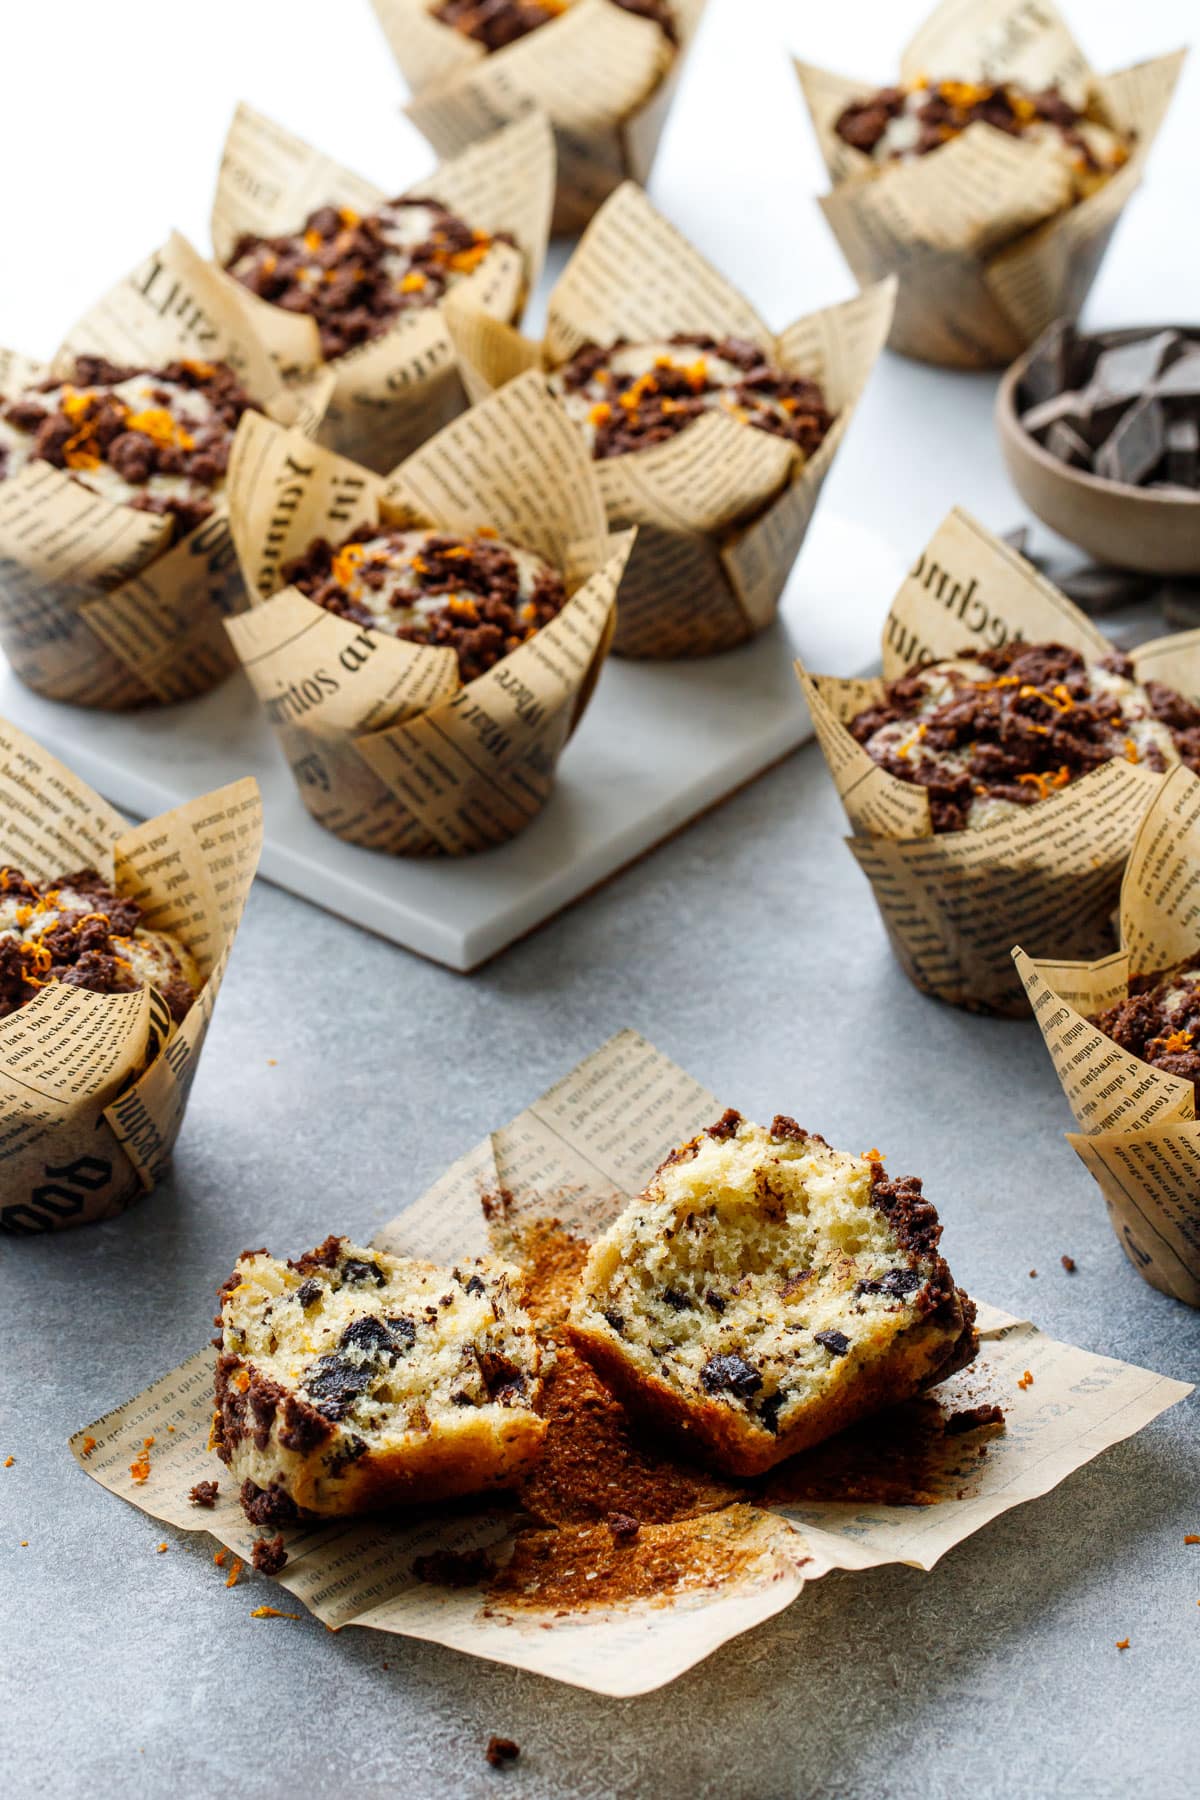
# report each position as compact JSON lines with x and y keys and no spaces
{"x":351,"y":1380}
{"x":767,"y":1291}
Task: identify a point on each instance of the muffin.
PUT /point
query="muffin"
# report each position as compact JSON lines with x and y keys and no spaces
{"x":633,"y":396}
{"x":896,"y":124}
{"x":472,"y":593}
{"x":992,"y":732}
{"x":766,"y":1291}
{"x":156,"y":440}
{"x":356,"y":273}
{"x":495,"y":23}
{"x":1159,"y":1020}
{"x":350,"y":1380}
{"x":78,"y":930}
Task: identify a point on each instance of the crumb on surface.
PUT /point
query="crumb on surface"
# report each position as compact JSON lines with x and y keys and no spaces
{"x":1025,"y":1380}
{"x":501,"y":1751}
{"x":272,"y":1612}
{"x":161,"y":1548}
{"x":1068,"y":1263}
{"x":1122,"y":1643}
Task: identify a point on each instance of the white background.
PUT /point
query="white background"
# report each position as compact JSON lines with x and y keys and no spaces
{"x":113,"y":116}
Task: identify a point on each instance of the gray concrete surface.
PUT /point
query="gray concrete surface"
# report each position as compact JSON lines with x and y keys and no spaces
{"x":750,"y":952}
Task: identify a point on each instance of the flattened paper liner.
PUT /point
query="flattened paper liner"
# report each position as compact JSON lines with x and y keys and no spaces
{"x":604,"y":77}
{"x":983,"y":235}
{"x":93,"y":1087}
{"x":392,"y":393}
{"x":388,"y":749}
{"x":93,"y":609}
{"x":1138,"y":1133}
{"x":591,"y":1142}
{"x":954,"y":903}
{"x":722,"y":508}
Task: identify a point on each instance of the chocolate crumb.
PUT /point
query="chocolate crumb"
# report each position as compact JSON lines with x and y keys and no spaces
{"x":269,"y":1555}
{"x":973,"y":1418}
{"x":502,"y":1751}
{"x":1033,"y":1274}
{"x":204,"y":1494}
{"x":454,"y":1568}
{"x":624,"y":1528}
{"x":1068,"y":1263}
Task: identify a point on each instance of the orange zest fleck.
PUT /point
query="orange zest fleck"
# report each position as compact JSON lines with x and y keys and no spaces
{"x":349,"y":217}
{"x":873,"y":1156}
{"x":312,"y":240}
{"x":1025,"y":1380}
{"x":156,"y":423}
{"x":139,"y":1470}
{"x":240,"y":1379}
{"x":87,"y":1446}
{"x":600,"y":414}
{"x":413,"y":282}
{"x":1177,"y":1043}
{"x":1122,"y":1643}
{"x":161,"y":1548}
{"x":219,"y":1558}
{"x":1192,"y":1537}
{"x":170,"y":1428}
{"x":9,"y":1461}
{"x":1131,"y":751}
{"x":214,"y":1431}
{"x":272,"y":1612}
{"x":235,"y":1570}
{"x":346,"y":562}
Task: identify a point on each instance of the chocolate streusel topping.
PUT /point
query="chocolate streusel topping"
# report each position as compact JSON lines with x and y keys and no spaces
{"x":76,"y":930}
{"x":944,"y":109}
{"x":638,"y":411}
{"x":356,"y":273}
{"x":1033,"y":719}
{"x":77,"y":425}
{"x":497,"y":23}
{"x":482,"y":615}
{"x":1159,"y":1022}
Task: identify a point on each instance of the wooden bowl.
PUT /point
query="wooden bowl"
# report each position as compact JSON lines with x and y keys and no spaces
{"x":1124,"y":527}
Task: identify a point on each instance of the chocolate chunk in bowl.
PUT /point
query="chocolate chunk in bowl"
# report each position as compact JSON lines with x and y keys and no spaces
{"x":1101,"y":436}
{"x":425,"y":670}
{"x":353,"y":286}
{"x":996,"y":777}
{"x":604,"y":74}
{"x":988,"y":176}
{"x":116,"y":566}
{"x":105,"y":998}
{"x":713,"y":435}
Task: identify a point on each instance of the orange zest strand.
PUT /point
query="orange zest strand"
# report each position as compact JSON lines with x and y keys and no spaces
{"x":272,"y":1612}
{"x":87,"y":1446}
{"x":1025,"y":1380}
{"x":219,"y":1558}
{"x":235,"y":1570}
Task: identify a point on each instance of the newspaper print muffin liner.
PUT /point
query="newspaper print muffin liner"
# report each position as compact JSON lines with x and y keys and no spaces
{"x":1138,"y":1133}
{"x":604,"y":77}
{"x":93,"y":609}
{"x":954,"y":903}
{"x":393,"y":392}
{"x":721,"y":508}
{"x":388,"y":748}
{"x":93,"y":1087}
{"x":981,"y":233}
{"x":581,"y":1152}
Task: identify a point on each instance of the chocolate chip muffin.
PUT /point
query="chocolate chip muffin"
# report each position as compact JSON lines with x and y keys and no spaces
{"x":81,"y":932}
{"x":631,"y":396}
{"x":351,"y":1380}
{"x":1160,"y":1022}
{"x":898,"y":124}
{"x":991,"y":732}
{"x":357,"y":273}
{"x":497,"y":23}
{"x":157,"y":440}
{"x":766,"y":1291}
{"x":475,"y":594}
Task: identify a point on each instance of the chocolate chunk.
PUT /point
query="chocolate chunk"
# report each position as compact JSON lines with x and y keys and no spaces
{"x":1136,"y":446}
{"x":1183,"y":452}
{"x":1061,"y":409}
{"x":309,"y":1292}
{"x":1064,"y":442}
{"x":617,"y":1322}
{"x":675,"y":1300}
{"x":476,"y":1285}
{"x":354,"y":1272}
{"x":770,"y":1410}
{"x":268,"y":1555}
{"x":973,"y":1418}
{"x":730,"y":1374}
{"x":715,"y":1301}
{"x":502,"y":1751}
{"x":1046,"y":369}
{"x":333,"y":1383}
{"x":834,"y":1342}
{"x":1128,"y":369}
{"x":203,"y":1494}
{"x":1068,"y":1263}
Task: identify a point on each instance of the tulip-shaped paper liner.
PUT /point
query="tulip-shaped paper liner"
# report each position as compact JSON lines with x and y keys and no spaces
{"x":982,"y":233}
{"x":576,"y":1156}
{"x":389,"y":749}
{"x":396,"y":390}
{"x":956,"y":902}
{"x":604,"y":77}
{"x":1138,"y":1133}
{"x":95,"y":609}
{"x":722,"y":507}
{"x":93,"y":1087}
